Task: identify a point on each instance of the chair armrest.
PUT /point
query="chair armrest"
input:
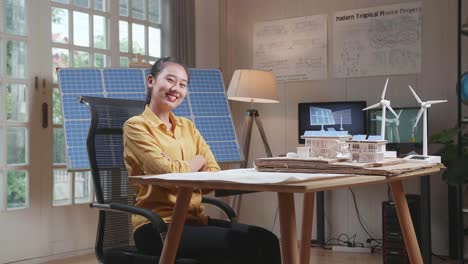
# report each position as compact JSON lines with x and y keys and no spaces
{"x":158,"y":223}
{"x":223,"y":206}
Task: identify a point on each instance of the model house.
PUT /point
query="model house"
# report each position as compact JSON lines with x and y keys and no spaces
{"x":367,"y":149}
{"x":327,"y":144}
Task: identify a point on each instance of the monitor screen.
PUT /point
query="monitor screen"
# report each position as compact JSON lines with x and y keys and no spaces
{"x":336,"y":116}
{"x":402,"y":134}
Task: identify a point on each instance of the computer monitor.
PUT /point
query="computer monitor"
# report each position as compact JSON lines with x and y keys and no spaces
{"x":402,"y":135}
{"x":337,"y":116}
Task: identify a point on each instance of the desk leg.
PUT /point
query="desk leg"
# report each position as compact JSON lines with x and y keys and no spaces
{"x":307,"y":219}
{"x":320,"y":217}
{"x":425,"y":230}
{"x":289,"y":252}
{"x":176,"y":227}
{"x":406,"y":223}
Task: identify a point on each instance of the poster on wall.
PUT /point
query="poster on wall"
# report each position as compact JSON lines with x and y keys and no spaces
{"x":295,"y":49}
{"x":374,"y":41}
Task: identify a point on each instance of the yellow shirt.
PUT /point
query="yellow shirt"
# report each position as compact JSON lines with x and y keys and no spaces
{"x":145,"y":138}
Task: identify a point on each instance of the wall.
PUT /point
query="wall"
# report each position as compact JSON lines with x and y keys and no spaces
{"x":207,"y":34}
{"x":436,"y":81}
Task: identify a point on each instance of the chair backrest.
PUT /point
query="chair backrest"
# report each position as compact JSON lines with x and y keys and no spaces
{"x":110,"y":178}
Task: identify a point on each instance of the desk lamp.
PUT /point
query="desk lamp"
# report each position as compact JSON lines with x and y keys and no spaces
{"x":253,"y":86}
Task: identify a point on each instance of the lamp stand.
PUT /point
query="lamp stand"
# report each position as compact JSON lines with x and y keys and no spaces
{"x":250,"y":116}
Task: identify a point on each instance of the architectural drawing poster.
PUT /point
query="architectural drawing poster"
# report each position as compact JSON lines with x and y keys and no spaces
{"x":382,"y":40}
{"x":295,"y":48}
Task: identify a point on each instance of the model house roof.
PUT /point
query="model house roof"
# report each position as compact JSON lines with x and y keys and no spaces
{"x":325,"y":134}
{"x":368,"y":139}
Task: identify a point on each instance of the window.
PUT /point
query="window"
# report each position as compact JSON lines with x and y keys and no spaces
{"x":14,"y":108}
{"x":139,"y":30}
{"x":82,"y":34}
{"x":80,"y":37}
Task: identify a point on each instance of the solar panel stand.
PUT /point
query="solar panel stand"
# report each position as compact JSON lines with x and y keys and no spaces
{"x":251,"y":115}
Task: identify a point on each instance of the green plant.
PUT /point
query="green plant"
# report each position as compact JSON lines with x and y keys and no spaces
{"x":456,"y":163}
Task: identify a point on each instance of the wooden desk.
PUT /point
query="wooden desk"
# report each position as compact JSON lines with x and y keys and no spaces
{"x":289,"y":250}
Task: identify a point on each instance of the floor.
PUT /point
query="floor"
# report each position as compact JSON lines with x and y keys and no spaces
{"x":318,"y":255}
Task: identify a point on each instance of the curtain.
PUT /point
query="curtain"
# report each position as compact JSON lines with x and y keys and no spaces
{"x":183,"y":31}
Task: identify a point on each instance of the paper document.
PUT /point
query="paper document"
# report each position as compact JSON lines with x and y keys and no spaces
{"x":295,"y":49}
{"x":380,"y":40}
{"x":244,"y":176}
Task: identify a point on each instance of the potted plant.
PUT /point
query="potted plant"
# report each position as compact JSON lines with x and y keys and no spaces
{"x":457,"y":165}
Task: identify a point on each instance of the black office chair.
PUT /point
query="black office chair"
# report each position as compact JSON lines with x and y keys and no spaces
{"x":114,"y":195}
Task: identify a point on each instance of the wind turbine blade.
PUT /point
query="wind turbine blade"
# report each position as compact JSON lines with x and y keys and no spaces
{"x":391,"y":110}
{"x":372,"y":106}
{"x":399,"y":114}
{"x":419,"y":116}
{"x":415,"y":95}
{"x":385,"y":89}
{"x":436,"y":101}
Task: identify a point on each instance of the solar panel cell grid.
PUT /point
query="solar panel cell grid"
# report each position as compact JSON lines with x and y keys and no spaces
{"x":209,"y":104}
{"x":216,"y":128}
{"x":225,"y":151}
{"x":72,"y":110}
{"x":124,"y":81}
{"x":76,"y":143}
{"x":82,"y":81}
{"x":130,"y":96}
{"x":206,"y":81}
{"x":183,"y":109}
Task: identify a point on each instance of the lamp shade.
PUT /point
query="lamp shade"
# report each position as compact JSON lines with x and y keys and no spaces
{"x":253,"y":86}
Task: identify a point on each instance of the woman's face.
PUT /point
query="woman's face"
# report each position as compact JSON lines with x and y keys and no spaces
{"x":169,"y":87}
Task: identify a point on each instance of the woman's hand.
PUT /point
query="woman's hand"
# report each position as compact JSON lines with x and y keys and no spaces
{"x":198,"y":163}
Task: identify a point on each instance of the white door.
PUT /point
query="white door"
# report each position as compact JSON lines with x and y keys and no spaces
{"x":43,"y":207}
{"x":20,"y":168}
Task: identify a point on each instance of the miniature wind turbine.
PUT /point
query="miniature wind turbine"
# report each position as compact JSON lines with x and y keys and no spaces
{"x":384,"y":104}
{"x":423,"y":111}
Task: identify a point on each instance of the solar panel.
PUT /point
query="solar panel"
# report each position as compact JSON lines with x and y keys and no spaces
{"x":343,"y":117}
{"x":374,"y":137}
{"x":206,"y":105}
{"x":359,"y":137}
{"x":323,"y":133}
{"x":321,"y":116}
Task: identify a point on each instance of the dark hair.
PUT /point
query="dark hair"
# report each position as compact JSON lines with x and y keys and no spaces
{"x":158,"y":67}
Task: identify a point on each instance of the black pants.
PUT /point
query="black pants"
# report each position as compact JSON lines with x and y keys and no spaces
{"x":219,"y":242}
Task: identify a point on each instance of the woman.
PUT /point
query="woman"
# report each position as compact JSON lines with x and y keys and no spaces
{"x":158,"y":142}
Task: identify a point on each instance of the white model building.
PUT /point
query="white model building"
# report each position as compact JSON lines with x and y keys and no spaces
{"x":327,"y":144}
{"x":370,"y":149}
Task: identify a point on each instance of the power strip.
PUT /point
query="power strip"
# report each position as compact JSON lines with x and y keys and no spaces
{"x":351,"y":249}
